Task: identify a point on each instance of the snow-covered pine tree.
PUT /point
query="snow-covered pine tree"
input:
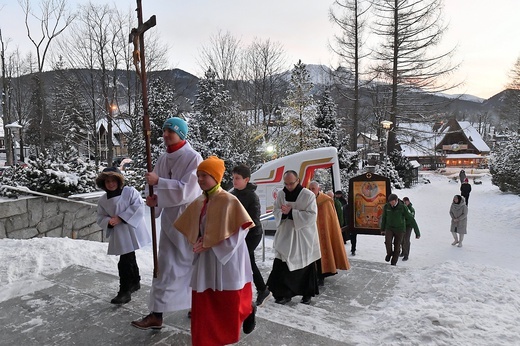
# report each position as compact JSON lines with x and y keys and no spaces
{"x":326,"y":121}
{"x":387,"y":169}
{"x":161,"y":106}
{"x":298,"y":131}
{"x":68,"y":113}
{"x":218,"y":127}
{"x":504,"y":165}
{"x":403,"y":167}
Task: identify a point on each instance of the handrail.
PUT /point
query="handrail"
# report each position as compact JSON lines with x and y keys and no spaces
{"x":27,"y":190}
{"x":264,"y":217}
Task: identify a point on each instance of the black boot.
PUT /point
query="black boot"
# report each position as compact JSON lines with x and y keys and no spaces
{"x":122,"y":297}
{"x":125,"y":281}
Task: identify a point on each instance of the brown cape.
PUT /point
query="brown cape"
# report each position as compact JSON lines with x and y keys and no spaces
{"x":333,"y":254}
{"x":224,"y":217}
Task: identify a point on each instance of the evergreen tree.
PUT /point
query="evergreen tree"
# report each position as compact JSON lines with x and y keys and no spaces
{"x":161,"y":106}
{"x":504,"y":165}
{"x":298,"y":131}
{"x":219,"y":128}
{"x":326,"y":121}
{"x":68,"y":112}
{"x":403,"y":167}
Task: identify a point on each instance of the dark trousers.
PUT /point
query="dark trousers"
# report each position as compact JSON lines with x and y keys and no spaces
{"x":394,"y":238}
{"x":466,"y":197}
{"x":406,"y":242}
{"x":252,"y":242}
{"x":128,"y":271}
{"x":353,"y":241}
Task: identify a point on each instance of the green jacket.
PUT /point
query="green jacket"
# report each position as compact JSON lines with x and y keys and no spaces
{"x":339,"y":212}
{"x":396,"y":218}
{"x":408,"y":224}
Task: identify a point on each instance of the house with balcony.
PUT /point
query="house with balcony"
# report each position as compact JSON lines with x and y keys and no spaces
{"x":452,"y":143}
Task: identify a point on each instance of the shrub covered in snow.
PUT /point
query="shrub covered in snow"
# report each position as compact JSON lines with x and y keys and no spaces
{"x":52,"y":176}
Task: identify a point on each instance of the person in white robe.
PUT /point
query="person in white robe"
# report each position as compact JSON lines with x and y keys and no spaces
{"x":296,"y":243}
{"x":216,"y":224}
{"x":120,"y":213}
{"x":174,"y":182}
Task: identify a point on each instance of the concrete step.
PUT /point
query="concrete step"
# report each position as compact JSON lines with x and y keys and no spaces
{"x":73,"y":308}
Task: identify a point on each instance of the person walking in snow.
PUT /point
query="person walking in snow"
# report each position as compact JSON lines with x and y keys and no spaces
{"x":120,"y":213}
{"x":245,"y":192}
{"x":459,"y":219}
{"x":405,"y":246}
{"x":216,"y":225}
{"x":393,"y":225}
{"x":296,"y":243}
{"x":465,"y":189}
{"x":175,"y":185}
{"x":333,"y":254}
{"x":462,"y":175}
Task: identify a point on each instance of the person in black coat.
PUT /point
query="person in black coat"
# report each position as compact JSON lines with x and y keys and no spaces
{"x":465,"y":189}
{"x":245,"y":192}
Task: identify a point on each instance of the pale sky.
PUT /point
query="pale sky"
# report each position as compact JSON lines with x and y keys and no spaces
{"x":486,"y":33}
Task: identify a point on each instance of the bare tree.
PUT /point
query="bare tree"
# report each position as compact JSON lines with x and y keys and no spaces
{"x":263,"y":65}
{"x":20,"y":92}
{"x":406,"y":58}
{"x":511,"y":109}
{"x":52,"y":19}
{"x":222,"y":55}
{"x":350,"y":15}
{"x":8,"y":145}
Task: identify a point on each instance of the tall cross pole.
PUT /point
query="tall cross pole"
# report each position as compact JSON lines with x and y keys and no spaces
{"x":137,"y":38}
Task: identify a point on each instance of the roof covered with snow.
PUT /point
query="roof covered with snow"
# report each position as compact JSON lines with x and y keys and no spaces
{"x":473,"y":136}
{"x":417,"y":139}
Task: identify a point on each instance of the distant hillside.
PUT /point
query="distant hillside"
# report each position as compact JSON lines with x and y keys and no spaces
{"x":185,"y":86}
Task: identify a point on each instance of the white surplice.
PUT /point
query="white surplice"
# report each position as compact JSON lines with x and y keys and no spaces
{"x":176,"y":189}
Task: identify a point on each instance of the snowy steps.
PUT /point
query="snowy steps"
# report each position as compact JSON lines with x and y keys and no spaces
{"x":72,"y":308}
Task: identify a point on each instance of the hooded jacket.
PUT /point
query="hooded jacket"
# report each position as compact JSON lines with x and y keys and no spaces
{"x":459,"y":216}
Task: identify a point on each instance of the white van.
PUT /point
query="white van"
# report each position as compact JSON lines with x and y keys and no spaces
{"x":269,"y":178}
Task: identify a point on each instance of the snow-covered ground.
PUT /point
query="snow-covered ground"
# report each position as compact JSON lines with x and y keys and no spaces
{"x":447,"y":295}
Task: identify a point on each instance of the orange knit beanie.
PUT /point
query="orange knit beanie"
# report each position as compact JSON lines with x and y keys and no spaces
{"x":214,"y":167}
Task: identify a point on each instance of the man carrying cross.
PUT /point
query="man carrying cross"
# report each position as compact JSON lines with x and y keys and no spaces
{"x":174,"y":179}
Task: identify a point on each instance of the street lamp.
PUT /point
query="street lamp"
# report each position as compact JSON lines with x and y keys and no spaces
{"x":386,"y":124}
{"x":12,"y":128}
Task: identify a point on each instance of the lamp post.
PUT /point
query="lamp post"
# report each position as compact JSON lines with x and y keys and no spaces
{"x":386,"y":125}
{"x":14,"y":128}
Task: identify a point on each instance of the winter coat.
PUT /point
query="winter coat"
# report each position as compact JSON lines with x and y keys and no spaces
{"x":462,"y":175}
{"x":459,"y":216}
{"x":465,"y":189}
{"x":339,"y":212}
{"x":408,"y":224}
{"x":396,"y":218}
{"x":251,"y":203}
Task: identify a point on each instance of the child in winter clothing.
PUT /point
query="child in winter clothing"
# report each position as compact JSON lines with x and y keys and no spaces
{"x":459,"y":219}
{"x":245,"y":192}
{"x":120,"y":213}
{"x":405,"y":252}
{"x":216,"y":225}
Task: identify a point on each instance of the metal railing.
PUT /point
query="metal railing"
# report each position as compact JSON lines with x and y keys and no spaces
{"x":264,"y":217}
{"x":27,"y":190}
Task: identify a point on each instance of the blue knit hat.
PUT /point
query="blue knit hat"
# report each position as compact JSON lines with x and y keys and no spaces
{"x":177,"y":125}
